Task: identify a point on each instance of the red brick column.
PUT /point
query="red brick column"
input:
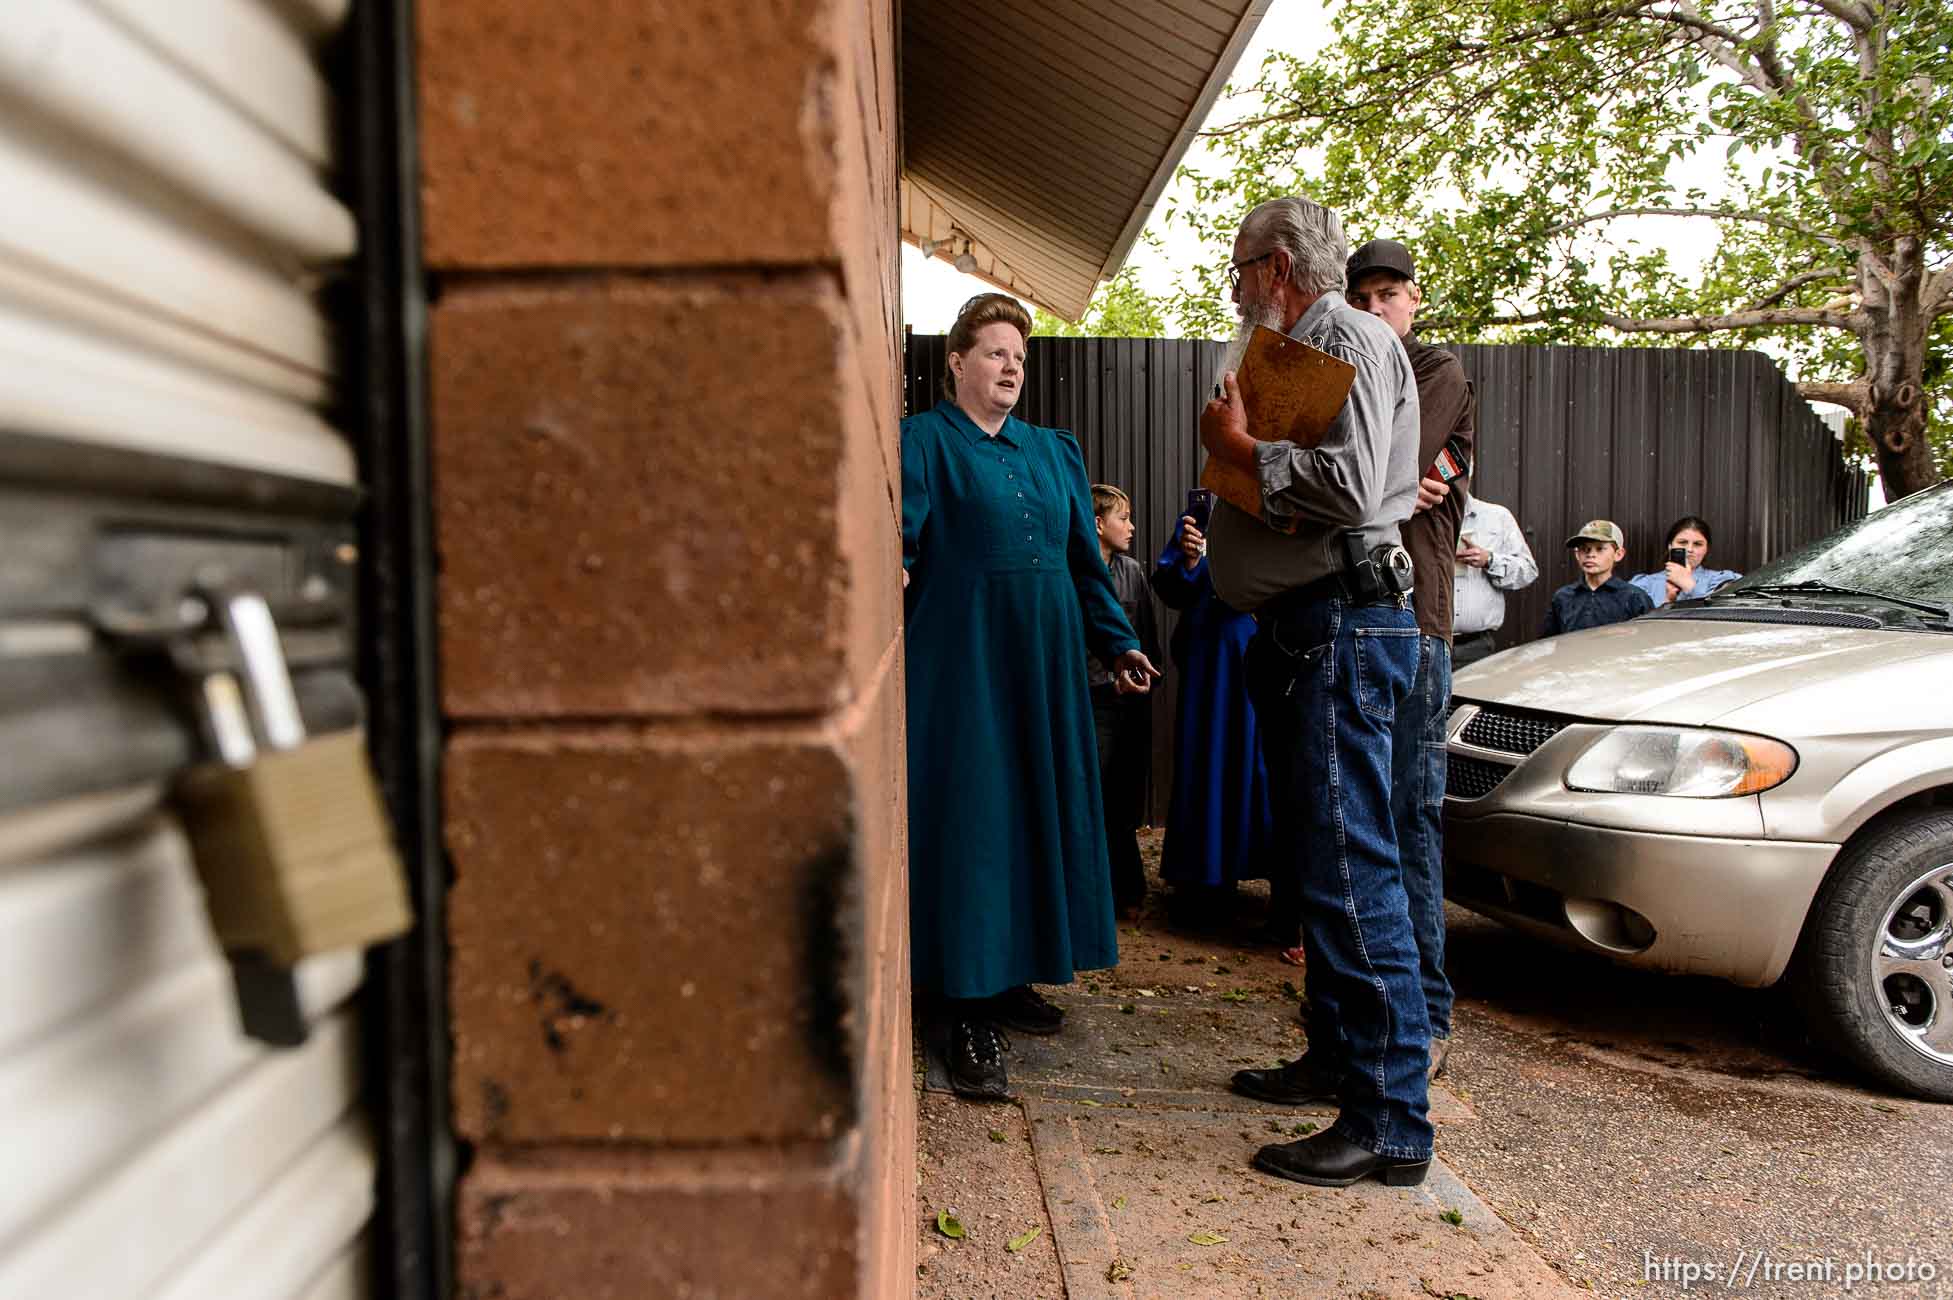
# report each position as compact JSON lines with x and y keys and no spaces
{"x":665,"y":383}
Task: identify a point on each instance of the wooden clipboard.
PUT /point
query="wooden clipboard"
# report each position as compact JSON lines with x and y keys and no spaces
{"x":1291,"y":392}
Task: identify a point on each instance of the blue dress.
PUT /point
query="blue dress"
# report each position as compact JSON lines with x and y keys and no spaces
{"x":1218,"y":820}
{"x":1008,"y":879}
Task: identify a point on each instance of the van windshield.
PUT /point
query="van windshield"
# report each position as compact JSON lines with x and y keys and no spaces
{"x":1903,"y":550}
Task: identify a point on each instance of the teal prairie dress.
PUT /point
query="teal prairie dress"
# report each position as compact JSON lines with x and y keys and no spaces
{"x":1008,"y":880}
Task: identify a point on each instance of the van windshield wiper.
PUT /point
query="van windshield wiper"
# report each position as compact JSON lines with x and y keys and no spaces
{"x":1814,"y":587}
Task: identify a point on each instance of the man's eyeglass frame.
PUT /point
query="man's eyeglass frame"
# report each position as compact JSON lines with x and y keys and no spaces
{"x":1234,"y":269}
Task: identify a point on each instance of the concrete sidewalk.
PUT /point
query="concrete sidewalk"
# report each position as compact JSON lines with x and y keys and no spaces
{"x":1122,"y":1169}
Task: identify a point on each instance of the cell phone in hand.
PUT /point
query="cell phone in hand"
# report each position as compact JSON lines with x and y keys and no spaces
{"x":1200,"y":505}
{"x":1676,"y":555}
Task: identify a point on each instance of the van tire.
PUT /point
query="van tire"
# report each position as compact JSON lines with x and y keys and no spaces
{"x":1831,"y":976}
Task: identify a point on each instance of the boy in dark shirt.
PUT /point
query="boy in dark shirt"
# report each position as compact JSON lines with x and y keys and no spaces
{"x":1598,"y":598}
{"x":1124,"y":720}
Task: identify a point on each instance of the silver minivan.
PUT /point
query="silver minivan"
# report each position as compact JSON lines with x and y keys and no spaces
{"x":1756,"y":786}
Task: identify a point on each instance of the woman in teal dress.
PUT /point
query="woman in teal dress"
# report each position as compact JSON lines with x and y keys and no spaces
{"x":1005,"y":592}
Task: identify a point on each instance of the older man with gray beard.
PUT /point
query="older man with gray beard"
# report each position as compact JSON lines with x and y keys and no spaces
{"x":1334,"y":657}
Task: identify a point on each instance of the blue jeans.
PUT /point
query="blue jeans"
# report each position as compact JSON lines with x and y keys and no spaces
{"x":1417,"y":766}
{"x":1327,"y":682}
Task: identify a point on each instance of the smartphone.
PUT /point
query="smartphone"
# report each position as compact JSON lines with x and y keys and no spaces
{"x":1200,"y":505}
{"x":1676,"y":555}
{"x":1453,"y":463}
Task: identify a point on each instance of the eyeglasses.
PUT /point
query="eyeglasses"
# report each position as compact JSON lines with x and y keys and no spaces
{"x":1234,"y":269}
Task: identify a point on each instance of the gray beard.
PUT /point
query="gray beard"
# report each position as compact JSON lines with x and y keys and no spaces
{"x":1266,"y":314}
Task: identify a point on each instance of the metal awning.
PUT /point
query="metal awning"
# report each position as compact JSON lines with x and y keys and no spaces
{"x":1038,"y":134}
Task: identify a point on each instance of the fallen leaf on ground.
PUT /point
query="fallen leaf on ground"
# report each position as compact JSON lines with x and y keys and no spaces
{"x":996,"y":1135}
{"x":1207,"y":1239}
{"x":1119,"y":1203}
{"x":1022,"y":1240}
{"x":949,"y":1225}
{"x":1452,"y":1217}
{"x":1118,"y":1271}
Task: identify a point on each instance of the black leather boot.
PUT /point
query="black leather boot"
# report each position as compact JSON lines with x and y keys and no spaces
{"x":1302,"y":1082}
{"x":1331,"y":1160}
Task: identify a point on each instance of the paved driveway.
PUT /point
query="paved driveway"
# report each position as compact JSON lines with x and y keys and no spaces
{"x":1602,"y":1131}
{"x":1631,"y":1124}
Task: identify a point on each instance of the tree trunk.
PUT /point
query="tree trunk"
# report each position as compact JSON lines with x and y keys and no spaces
{"x":1898,"y":436}
{"x":1894,"y":338}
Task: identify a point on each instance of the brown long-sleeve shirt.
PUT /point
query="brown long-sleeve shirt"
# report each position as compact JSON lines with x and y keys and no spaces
{"x":1446,"y":407}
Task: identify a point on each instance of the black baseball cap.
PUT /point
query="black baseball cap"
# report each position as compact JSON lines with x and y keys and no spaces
{"x":1381,"y":255}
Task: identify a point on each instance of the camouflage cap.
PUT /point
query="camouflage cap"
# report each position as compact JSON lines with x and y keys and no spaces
{"x":1599,"y":530}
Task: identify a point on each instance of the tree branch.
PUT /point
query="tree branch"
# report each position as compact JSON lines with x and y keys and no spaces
{"x":1723,"y":214}
{"x":1754,"y":318}
{"x":1764,"y":74}
{"x":1732,"y":320}
{"x":1937,"y":297}
{"x":1855,"y":393}
{"x":1793,"y":283}
{"x":1854,"y":16}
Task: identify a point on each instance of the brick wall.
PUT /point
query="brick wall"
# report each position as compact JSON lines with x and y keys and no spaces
{"x":665,"y":383}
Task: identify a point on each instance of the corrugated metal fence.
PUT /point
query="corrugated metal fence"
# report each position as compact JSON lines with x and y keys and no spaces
{"x":1642,"y":436}
{"x":1566,"y":434}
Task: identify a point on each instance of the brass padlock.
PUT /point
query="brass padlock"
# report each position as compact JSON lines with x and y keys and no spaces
{"x":288,"y":832}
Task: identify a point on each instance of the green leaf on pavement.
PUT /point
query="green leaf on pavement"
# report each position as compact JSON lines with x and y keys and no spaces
{"x":1452,"y":1217}
{"x":1022,"y":1240}
{"x":1118,"y":1271}
{"x":1207,"y":1239}
{"x":996,"y":1135}
{"x":1119,"y":1203}
{"x":949,"y":1225}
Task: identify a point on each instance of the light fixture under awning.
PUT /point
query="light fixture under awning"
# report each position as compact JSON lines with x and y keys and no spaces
{"x":1037,"y":137}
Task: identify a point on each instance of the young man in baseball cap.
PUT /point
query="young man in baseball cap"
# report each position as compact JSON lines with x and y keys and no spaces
{"x":1598,"y":597}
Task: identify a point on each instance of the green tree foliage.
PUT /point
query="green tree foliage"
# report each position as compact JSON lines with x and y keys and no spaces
{"x":1119,"y":310}
{"x":1515,"y":143}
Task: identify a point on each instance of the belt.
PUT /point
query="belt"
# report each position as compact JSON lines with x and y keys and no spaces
{"x":1485,"y":635}
{"x":1328,"y":587}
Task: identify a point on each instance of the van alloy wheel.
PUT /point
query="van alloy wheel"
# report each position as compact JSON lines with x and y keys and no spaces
{"x":1912,"y":960}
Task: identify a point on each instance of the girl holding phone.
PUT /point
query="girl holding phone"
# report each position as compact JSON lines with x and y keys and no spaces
{"x":1684,"y":577}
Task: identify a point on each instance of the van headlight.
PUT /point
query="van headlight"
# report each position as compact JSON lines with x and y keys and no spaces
{"x":1685,"y":761}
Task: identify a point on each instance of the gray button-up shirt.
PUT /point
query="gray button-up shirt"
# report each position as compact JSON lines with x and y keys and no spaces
{"x":1362,"y":475}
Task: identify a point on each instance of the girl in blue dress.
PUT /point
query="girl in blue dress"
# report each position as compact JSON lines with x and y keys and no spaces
{"x":1218,"y":819}
{"x":1005,"y":592}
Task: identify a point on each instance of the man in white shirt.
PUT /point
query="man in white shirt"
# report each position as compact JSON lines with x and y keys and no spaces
{"x":1493,"y":558}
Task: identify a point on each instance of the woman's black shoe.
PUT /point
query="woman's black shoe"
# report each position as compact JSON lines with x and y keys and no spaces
{"x":1332,"y":1160}
{"x":1025,"y":1010}
{"x":976,"y":1061}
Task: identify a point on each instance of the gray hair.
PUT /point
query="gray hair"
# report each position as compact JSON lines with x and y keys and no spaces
{"x":1309,"y":233}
